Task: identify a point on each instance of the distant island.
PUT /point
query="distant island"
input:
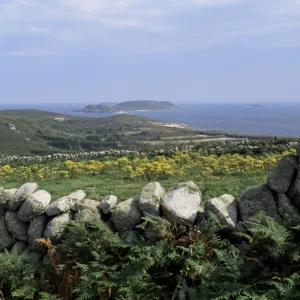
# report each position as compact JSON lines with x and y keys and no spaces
{"x":138,"y":105}
{"x":257,"y":105}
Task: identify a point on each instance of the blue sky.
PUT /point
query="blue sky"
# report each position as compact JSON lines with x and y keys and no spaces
{"x":89,"y":51}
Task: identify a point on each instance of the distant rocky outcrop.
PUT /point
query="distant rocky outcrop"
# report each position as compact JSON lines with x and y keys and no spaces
{"x":26,"y":213}
{"x":129,"y":105}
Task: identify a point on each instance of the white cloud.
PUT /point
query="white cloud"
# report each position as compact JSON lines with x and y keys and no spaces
{"x":138,"y":24}
{"x":28,"y":53}
{"x":218,"y":2}
{"x":122,"y":23}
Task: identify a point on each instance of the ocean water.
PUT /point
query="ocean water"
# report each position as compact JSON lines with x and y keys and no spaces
{"x":279,"y":119}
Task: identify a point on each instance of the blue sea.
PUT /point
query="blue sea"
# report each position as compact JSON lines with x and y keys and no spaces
{"x":277,"y":119}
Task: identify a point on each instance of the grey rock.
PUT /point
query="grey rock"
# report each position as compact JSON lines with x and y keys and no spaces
{"x":199,"y":218}
{"x":256,"y":199}
{"x":30,"y":256}
{"x":56,"y":227}
{"x":21,"y":195}
{"x":150,"y":198}
{"x":200,"y":213}
{"x":34,"y":205}
{"x":88,"y":210}
{"x":3,"y":211}
{"x":65,"y":203}
{"x":16,"y":227}
{"x":6,"y":196}
{"x":132,"y":236}
{"x":127,"y":214}
{"x":108,"y":204}
{"x":19,"y":247}
{"x":225,"y":208}
{"x":157,"y":229}
{"x":294,"y":191}
{"x":181,"y":203}
{"x":236,"y":233}
{"x":283,"y":173}
{"x":36,"y":231}
{"x":111,"y":226}
{"x":6,"y":239}
{"x":286,"y":207}
{"x":298,"y":149}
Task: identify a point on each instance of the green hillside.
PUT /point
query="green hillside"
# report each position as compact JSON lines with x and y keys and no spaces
{"x":26,"y":132}
{"x":130,"y":105}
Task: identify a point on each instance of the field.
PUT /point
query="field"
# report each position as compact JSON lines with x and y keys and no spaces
{"x":42,"y":132}
{"x":201,"y":262}
{"x":125,"y":177}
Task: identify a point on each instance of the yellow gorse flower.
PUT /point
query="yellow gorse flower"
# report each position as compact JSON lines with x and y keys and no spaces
{"x":180,"y":163}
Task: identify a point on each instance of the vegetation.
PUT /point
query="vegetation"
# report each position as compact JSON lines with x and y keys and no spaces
{"x":179,"y":263}
{"x":41,"y":132}
{"x":125,"y":176}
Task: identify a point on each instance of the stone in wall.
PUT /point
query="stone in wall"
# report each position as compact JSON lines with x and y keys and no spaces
{"x":36,"y":231}
{"x":256,"y":199}
{"x":20,"y":247}
{"x":3,"y":211}
{"x":65,"y":203}
{"x":21,"y":195}
{"x":108,"y":203}
{"x":17,"y":228}
{"x":225,"y":208}
{"x":283,"y":174}
{"x":157,"y":229}
{"x":34,"y":205}
{"x":31,"y":256}
{"x":6,"y":239}
{"x":180,"y":204}
{"x":294,"y":191}
{"x":6,"y":196}
{"x":150,"y":198}
{"x":286,"y":207}
{"x":56,"y":227}
{"x":88,"y":210}
{"x":127,"y":214}
{"x":133,"y":236}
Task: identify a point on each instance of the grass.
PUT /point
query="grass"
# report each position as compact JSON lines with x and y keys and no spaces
{"x":40,"y":132}
{"x":97,"y":187}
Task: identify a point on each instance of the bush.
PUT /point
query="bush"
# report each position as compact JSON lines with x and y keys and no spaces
{"x":179,"y":263}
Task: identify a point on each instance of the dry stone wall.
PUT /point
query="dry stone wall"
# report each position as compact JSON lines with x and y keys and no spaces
{"x":27,"y":213}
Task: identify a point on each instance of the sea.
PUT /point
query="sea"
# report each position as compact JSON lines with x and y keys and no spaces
{"x":275,"y":120}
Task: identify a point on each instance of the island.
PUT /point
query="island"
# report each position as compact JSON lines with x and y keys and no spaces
{"x":138,"y":105}
{"x":257,"y":105}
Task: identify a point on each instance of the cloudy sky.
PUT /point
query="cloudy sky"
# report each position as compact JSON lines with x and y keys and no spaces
{"x":89,"y":51}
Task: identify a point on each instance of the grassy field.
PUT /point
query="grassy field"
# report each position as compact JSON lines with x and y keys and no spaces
{"x":125,"y":177}
{"x":97,"y":187}
{"x":28,"y":132}
{"x":42,"y":132}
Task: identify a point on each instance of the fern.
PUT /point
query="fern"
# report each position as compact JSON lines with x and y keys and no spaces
{"x":47,"y":296}
{"x":266,"y":231}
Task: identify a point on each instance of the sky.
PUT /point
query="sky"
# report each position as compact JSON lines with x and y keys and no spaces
{"x":184,"y":51}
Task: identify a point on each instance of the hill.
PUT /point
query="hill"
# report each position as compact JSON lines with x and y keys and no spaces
{"x":26,"y":132}
{"x":96,"y":108}
{"x":130,"y":105}
{"x":144,"y":105}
